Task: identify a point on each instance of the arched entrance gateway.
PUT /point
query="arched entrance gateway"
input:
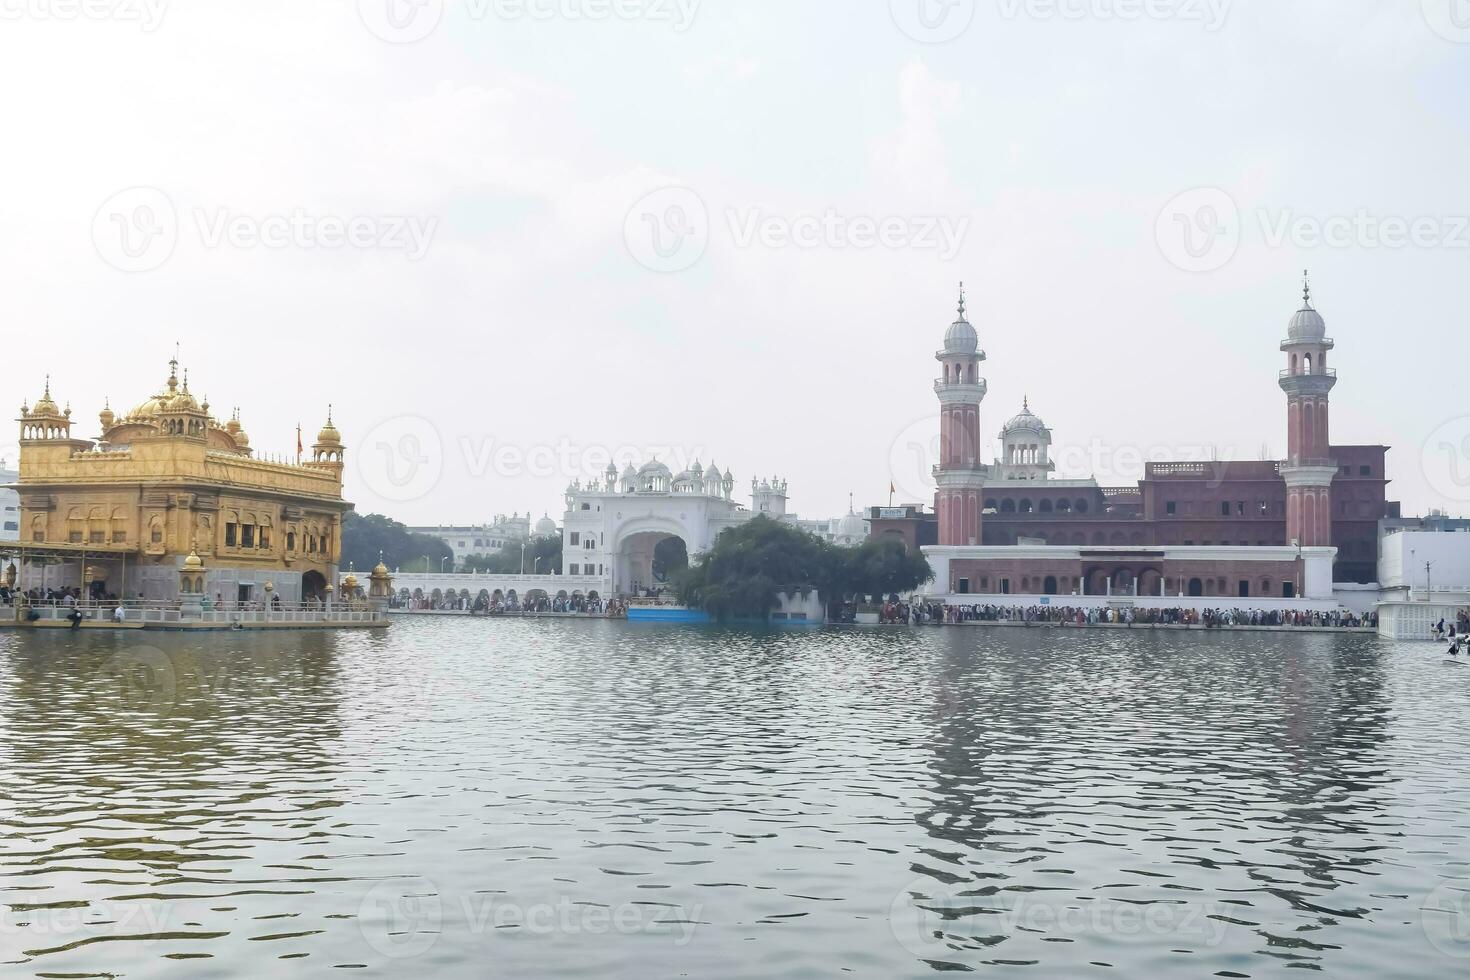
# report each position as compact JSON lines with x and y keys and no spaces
{"x":648,"y":560}
{"x":313,"y":587}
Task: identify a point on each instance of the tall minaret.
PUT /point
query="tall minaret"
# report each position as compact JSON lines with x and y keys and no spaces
{"x":1309,"y":468}
{"x":960,"y":474}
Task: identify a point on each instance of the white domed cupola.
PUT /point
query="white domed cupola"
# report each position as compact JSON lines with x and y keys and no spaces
{"x":961,"y":337}
{"x":1307,"y":325}
{"x":1025,"y":447}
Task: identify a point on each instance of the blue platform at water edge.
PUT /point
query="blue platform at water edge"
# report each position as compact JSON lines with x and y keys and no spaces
{"x":667,"y":614}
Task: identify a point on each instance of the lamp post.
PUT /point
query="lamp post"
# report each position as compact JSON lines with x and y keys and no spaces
{"x":523,"y":558}
{"x":1301,"y":569}
{"x":536,"y":567}
{"x":441,"y":565}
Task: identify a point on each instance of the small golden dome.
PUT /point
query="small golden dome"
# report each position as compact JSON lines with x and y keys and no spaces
{"x":193,"y":563}
{"x":350,"y":582}
{"x":106,"y":417}
{"x":47,"y":406}
{"x":329,"y":436}
{"x":380,"y":570}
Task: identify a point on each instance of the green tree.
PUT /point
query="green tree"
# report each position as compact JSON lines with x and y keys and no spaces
{"x":750,"y":565}
{"x":364,"y":536}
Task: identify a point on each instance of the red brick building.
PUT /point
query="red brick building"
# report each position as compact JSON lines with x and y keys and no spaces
{"x":1227,"y":527}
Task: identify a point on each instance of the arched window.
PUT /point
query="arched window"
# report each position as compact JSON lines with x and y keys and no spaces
{"x":1064,"y":506}
{"x":1080,"y":506}
{"x":1026,"y":507}
{"x":1045,"y":507}
{"x":1008,"y":506}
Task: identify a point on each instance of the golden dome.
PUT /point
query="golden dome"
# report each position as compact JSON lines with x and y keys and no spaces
{"x":350,"y":582}
{"x":193,"y":563}
{"x":106,"y":417}
{"x":47,"y":406}
{"x":380,"y":570}
{"x":329,"y":436}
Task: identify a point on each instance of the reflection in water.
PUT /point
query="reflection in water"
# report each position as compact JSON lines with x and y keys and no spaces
{"x":549,"y":798}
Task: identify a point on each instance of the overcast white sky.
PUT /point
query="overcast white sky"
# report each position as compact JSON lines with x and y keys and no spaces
{"x":510,"y":312}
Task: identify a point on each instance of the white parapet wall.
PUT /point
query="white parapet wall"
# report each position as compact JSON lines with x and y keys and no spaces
{"x":1401,"y":620}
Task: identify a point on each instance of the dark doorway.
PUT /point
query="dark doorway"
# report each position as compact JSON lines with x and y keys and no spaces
{"x":313,"y":586}
{"x":1196,"y":588}
{"x":1049,"y":587}
{"x":1245,"y":589}
{"x":670,"y":556}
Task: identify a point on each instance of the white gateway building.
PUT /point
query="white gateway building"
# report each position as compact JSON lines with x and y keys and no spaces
{"x":612,"y":528}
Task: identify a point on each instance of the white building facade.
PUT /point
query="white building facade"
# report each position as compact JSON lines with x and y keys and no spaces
{"x":481,"y":540}
{"x":613,"y":527}
{"x":9,"y":504}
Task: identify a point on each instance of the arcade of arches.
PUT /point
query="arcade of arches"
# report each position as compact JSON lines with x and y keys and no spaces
{"x":1139,"y":574}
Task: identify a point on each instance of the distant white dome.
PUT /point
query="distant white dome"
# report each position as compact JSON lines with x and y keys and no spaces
{"x":961,"y":338}
{"x":1307,"y":325}
{"x":851,"y":527}
{"x":1027,"y":421}
{"x":653,"y":469}
{"x":545,"y":527}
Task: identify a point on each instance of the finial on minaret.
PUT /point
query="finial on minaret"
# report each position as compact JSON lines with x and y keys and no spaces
{"x":186,"y":380}
{"x":1026,"y":403}
{"x":1307,"y":288}
{"x":48,"y":386}
{"x":962,"y":300}
{"x":173,"y":369}
{"x":329,"y":413}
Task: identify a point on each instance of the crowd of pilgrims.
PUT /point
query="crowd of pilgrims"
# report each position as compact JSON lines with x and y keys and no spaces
{"x":53,"y":597}
{"x":1458,"y":633}
{"x":920,"y":613}
{"x":532,"y":605}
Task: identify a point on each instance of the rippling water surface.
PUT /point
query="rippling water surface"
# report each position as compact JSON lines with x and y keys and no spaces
{"x":501,"y":798}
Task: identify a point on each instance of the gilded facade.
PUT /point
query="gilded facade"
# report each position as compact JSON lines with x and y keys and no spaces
{"x":166,"y":479}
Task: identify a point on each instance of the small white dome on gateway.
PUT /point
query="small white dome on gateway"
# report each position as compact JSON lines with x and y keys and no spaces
{"x":1027,"y":421}
{"x":961,"y":337}
{"x":655,"y":468}
{"x":1307,"y":324}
